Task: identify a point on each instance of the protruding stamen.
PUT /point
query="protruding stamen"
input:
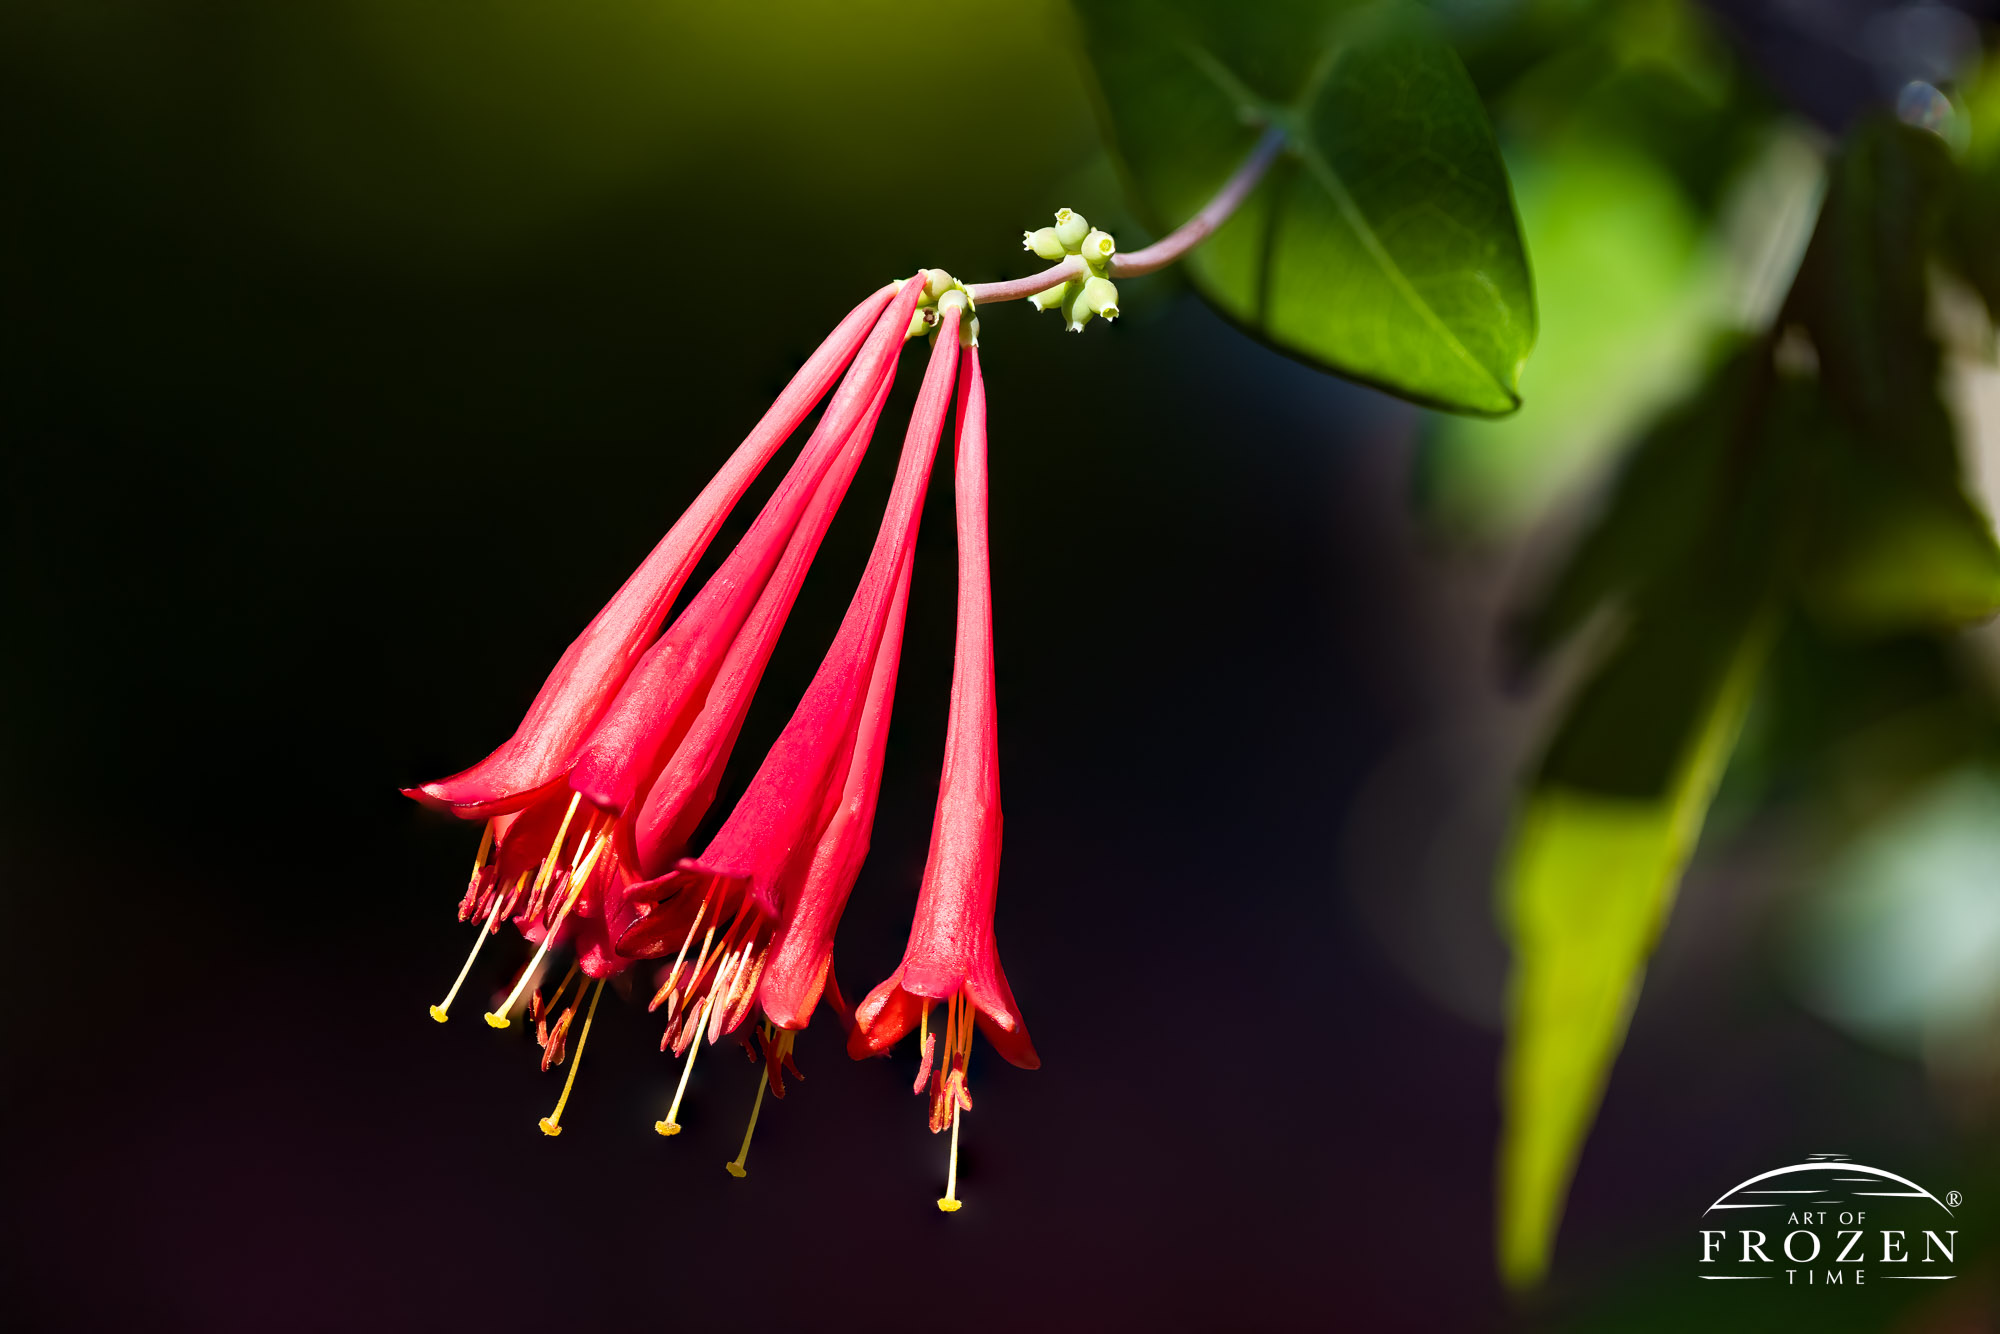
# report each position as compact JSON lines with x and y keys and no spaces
{"x":552,"y":1123}
{"x":670,"y":1126}
{"x":443,"y":1012}
{"x":736,"y":1168}
{"x":951,"y":1203}
{"x":726,"y":990}
{"x":674,"y":973}
{"x":498,"y":1016}
{"x":555,"y":848}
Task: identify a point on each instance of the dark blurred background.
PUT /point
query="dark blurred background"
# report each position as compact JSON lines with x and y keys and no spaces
{"x":351,"y":355}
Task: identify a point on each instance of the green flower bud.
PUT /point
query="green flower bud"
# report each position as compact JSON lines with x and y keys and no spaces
{"x":968,"y":332}
{"x":955,"y":299}
{"x":1076,"y":312}
{"x":936,"y":283}
{"x":921,"y":322}
{"x":1070,"y":229}
{"x":1044,"y":243}
{"x":1047,"y":300}
{"x":1098,"y":247}
{"x":1101,"y":296}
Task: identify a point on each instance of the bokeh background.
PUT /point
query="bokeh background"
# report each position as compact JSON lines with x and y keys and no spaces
{"x":353,"y":352}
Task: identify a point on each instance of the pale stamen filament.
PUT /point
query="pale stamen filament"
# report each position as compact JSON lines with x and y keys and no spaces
{"x":728,"y":993}
{"x":555,"y":848}
{"x":443,"y":1012}
{"x":552,"y":1123}
{"x":485,"y":846}
{"x":549,"y":1005}
{"x":674,"y":974}
{"x":951,"y":1203}
{"x":498,"y":1016}
{"x":736,"y":1168}
{"x":670,"y":1126}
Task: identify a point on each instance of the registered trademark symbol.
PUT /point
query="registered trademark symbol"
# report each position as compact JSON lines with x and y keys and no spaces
{"x":1952,"y":1198}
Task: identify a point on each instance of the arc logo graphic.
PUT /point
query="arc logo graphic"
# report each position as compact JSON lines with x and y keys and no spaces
{"x":1829,"y":1222}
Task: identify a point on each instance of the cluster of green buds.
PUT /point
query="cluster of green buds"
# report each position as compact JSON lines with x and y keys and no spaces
{"x":1080,"y":298}
{"x":941,"y":292}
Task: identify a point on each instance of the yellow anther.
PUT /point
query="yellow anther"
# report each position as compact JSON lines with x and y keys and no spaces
{"x":552,"y":1123}
{"x":442,"y":1011}
{"x":670,"y":1126}
{"x":736,"y":1168}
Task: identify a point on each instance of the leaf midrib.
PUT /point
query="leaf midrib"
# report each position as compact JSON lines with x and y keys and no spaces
{"x":1301,"y":142}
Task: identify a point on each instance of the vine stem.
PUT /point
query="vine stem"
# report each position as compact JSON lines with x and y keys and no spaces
{"x":1163,"y":251}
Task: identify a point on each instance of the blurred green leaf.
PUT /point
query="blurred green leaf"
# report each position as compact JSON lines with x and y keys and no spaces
{"x":1898,"y":542}
{"x":1895,"y":550}
{"x":1625,"y":785}
{"x":1973,"y":220}
{"x":1586,"y":889}
{"x":1626,"y":291}
{"x":1819,"y":464}
{"x":1655,"y":512}
{"x":1384,"y":246}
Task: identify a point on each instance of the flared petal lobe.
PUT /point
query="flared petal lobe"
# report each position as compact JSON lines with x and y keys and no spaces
{"x":952,"y":946}
{"x":579,"y":689}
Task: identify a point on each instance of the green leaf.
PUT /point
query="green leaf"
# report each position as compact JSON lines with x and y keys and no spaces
{"x":1973,"y":216}
{"x":1622,"y":792}
{"x":1862,"y":297}
{"x":1588,"y":882}
{"x":1656,"y":512}
{"x":1384,"y":245}
{"x":1894,"y":549}
{"x":1898,"y":542}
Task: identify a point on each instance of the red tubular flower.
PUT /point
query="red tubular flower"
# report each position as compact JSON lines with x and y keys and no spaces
{"x":952,"y":954}
{"x":658,"y":701}
{"x":537,"y":870}
{"x":556,"y":861}
{"x":681,"y":795}
{"x":535,"y":759}
{"x":766,"y":850}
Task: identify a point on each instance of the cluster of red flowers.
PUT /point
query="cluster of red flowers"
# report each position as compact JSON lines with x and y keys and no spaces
{"x":590,"y":807}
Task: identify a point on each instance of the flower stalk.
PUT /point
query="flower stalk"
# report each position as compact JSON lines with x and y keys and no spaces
{"x":1162,"y":252}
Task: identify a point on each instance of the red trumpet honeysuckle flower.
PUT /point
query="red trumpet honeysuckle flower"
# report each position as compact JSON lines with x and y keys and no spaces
{"x":633,"y":738}
{"x":535,"y":840}
{"x":534,"y":761}
{"x":766,"y":853}
{"x":952,"y":954}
